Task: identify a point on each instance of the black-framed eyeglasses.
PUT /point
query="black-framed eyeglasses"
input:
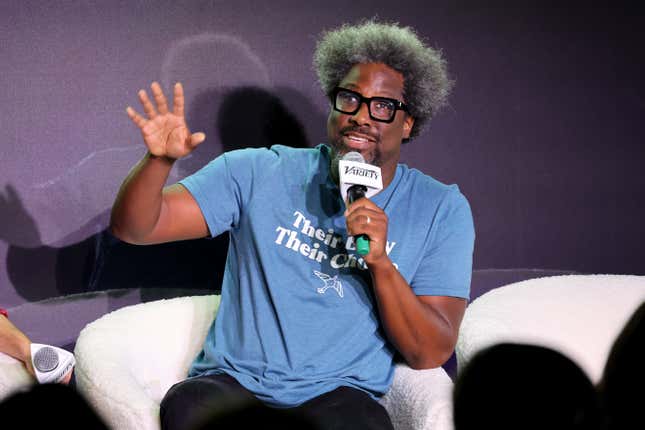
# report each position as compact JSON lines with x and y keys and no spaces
{"x":381,"y":109}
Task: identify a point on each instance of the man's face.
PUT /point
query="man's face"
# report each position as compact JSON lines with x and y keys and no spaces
{"x":378,"y":142}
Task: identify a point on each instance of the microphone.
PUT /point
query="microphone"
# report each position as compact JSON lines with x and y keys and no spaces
{"x":357,"y":180}
{"x":51,"y":364}
{"x":356,"y":192}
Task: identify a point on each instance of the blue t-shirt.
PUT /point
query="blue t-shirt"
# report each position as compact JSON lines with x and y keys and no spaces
{"x":297,"y":316}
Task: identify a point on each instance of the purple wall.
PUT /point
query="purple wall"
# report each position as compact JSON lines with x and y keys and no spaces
{"x":543,"y":133}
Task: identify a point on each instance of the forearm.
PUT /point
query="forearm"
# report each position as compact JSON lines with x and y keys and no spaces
{"x":13,"y":342}
{"x":139,"y":202}
{"x":419,"y":332}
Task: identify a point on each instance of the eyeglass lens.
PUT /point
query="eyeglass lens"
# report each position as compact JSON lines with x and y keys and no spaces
{"x":349,"y":102}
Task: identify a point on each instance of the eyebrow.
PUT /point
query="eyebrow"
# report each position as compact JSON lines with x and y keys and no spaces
{"x":355,"y":87}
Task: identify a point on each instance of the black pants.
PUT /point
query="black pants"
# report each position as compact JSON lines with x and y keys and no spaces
{"x":219,"y":401}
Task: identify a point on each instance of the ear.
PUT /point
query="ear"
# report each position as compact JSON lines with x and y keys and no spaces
{"x":408,"y":122}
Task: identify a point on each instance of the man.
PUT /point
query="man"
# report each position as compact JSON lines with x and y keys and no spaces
{"x":304,"y":321}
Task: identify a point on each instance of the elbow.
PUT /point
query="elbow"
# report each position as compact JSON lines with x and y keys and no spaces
{"x":422,"y":364}
{"x":430,"y":357}
{"x":116,"y":229}
{"x":121,"y":227}
{"x":117,"y":232}
{"x":120,"y":234}
{"x":430,"y":362}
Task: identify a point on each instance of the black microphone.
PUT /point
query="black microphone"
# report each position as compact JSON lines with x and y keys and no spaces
{"x":355,"y":192}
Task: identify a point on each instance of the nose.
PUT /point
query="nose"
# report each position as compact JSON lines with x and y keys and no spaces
{"x":362,"y":116}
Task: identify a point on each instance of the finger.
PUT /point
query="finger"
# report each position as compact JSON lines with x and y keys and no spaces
{"x":178,"y":100}
{"x":148,"y":108}
{"x":361,"y":203}
{"x":160,"y":98}
{"x":196,"y":139}
{"x":135,"y":117}
{"x":356,"y":210}
{"x":365,"y":221}
{"x":67,"y":378}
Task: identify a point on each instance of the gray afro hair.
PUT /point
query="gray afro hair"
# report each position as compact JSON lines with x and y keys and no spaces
{"x":426,"y":81}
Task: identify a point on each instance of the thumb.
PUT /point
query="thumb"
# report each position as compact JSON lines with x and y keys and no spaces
{"x":197,"y":138}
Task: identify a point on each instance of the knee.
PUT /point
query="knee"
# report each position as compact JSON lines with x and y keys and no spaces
{"x":175,"y":408}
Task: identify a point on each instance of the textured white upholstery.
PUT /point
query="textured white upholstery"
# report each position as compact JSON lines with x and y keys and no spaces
{"x":578,"y":315}
{"x":420,"y":399}
{"x":128,"y":359}
{"x":13,"y":376}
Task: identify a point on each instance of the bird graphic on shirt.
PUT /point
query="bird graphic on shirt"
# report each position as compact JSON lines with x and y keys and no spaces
{"x":329,"y":283}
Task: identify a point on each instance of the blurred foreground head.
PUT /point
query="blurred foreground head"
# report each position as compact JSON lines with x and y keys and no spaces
{"x":624,"y":376}
{"x":49,"y":406}
{"x":511,"y":386}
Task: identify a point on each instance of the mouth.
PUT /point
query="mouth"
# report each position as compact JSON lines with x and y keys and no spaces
{"x":358,"y":141}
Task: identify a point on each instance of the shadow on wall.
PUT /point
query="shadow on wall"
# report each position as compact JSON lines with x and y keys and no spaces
{"x":238,"y":118}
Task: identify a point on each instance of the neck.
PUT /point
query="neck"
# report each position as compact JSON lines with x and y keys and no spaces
{"x":388,"y":174}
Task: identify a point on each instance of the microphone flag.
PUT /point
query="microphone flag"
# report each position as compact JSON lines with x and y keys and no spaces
{"x":353,"y":170}
{"x":51,"y":364}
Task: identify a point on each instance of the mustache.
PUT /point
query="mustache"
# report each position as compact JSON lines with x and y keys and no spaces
{"x":358,"y":129}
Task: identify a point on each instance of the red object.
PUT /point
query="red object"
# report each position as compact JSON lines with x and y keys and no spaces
{"x":4,"y":312}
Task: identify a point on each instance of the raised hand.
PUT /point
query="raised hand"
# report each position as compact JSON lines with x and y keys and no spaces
{"x":165,"y":133}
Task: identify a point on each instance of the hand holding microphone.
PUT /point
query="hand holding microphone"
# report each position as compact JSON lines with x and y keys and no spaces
{"x":357,"y":180}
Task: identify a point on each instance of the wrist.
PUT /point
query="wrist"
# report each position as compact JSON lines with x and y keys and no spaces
{"x":13,"y":341}
{"x":381,"y":266}
{"x":162,"y":159}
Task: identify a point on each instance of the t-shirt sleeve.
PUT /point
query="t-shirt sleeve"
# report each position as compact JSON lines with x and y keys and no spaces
{"x":446,"y":267}
{"x":218,"y":192}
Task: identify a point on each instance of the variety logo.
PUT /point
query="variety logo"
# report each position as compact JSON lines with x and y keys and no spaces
{"x":360,"y":171}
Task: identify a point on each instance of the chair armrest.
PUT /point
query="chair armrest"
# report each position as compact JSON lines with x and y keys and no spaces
{"x":128,"y":359}
{"x":420,"y":399}
{"x":13,"y":376}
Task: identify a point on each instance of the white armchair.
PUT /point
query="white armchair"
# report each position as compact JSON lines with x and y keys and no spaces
{"x":128,"y":359}
{"x":577,"y":315}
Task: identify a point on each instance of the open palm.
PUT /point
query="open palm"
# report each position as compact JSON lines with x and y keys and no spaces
{"x":165,"y":133}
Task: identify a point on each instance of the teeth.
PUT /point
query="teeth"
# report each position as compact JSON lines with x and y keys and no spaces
{"x":358,"y":139}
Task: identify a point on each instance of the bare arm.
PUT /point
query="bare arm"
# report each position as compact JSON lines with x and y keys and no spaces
{"x":15,"y":343}
{"x":423,"y":329}
{"x":144,"y":211}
